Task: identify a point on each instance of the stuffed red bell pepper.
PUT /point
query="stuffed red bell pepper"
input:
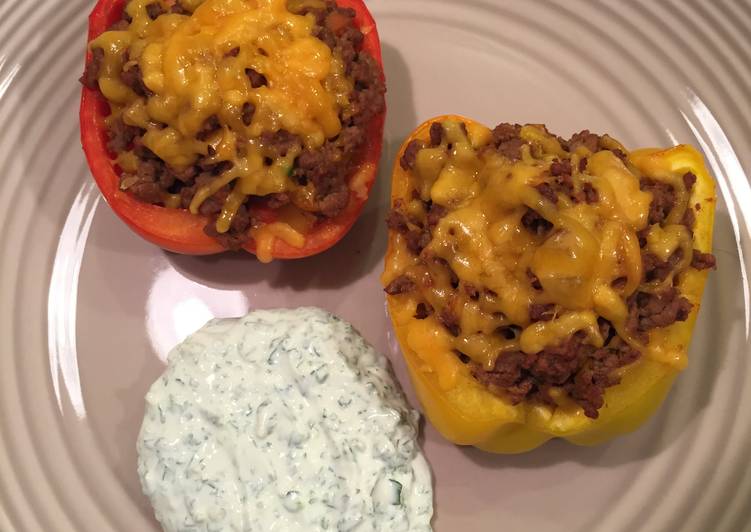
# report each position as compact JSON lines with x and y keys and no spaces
{"x":227,"y":124}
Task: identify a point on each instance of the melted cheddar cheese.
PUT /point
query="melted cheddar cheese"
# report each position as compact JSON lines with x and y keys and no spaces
{"x":194,"y":68}
{"x":587,"y":262}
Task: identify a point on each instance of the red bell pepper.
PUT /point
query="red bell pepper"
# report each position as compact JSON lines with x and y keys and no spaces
{"x":180,"y":231}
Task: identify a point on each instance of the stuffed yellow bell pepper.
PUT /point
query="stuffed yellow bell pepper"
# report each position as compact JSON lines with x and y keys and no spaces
{"x":541,"y":287}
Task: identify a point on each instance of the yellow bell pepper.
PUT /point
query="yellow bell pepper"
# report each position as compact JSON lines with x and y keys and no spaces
{"x":462,"y":409}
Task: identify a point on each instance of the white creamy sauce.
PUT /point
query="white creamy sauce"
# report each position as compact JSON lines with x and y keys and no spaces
{"x":282,"y":420}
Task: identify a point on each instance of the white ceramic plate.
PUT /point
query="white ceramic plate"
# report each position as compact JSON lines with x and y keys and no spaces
{"x":89,"y":310}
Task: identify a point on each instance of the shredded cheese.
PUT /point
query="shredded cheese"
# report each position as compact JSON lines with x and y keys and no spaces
{"x":266,"y":235}
{"x":483,"y":240}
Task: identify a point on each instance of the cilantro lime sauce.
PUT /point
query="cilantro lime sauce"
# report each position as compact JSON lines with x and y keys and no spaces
{"x":283,"y":420}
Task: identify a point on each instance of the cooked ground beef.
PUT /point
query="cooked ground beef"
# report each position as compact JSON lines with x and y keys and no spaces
{"x":333,"y":27}
{"x":147,"y":191}
{"x":435,"y":213}
{"x":407,"y":161}
{"x":436,"y":134}
{"x":703,"y":261}
{"x":210,"y":125}
{"x":335,"y":201}
{"x":471,"y":291}
{"x":133,"y":78}
{"x":423,"y":310}
{"x":580,"y":369}
{"x":121,"y":136}
{"x":586,"y":139}
{"x":395,"y":220}
{"x":657,"y":270}
{"x":505,"y":132}
{"x":555,"y":365}
{"x":276,"y":201}
{"x":562,"y":183}
{"x":450,"y":320}
{"x":535,"y":223}
{"x":327,"y":168}
{"x":367,"y":100}
{"x":123,"y":22}
{"x":90,"y":78}
{"x":649,"y":311}
{"x":185,"y":175}
{"x":400,"y":285}
{"x":154,"y":10}
{"x":533,"y":280}
{"x":150,"y":169}
{"x":663,"y":199}
{"x":507,"y":372}
{"x":689,"y":217}
{"x":280,"y":142}
{"x":559,"y":168}
{"x":688,"y":180}
{"x":417,"y":240}
{"x":248,"y":111}
{"x":590,"y":382}
{"x":256,"y":79}
{"x":511,"y":149}
{"x":590,"y":193}
{"x":506,"y":140}
{"x":548,"y":192}
{"x":417,"y":237}
{"x":235,"y":237}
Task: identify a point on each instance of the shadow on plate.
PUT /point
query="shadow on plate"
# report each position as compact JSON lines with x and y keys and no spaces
{"x":401,"y":116}
{"x":127,"y":429}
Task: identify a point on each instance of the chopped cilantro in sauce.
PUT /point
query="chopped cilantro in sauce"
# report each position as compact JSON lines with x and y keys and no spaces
{"x":283,"y":420}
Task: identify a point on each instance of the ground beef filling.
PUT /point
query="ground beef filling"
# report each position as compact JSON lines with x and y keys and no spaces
{"x":326,"y":168}
{"x":581,"y":370}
